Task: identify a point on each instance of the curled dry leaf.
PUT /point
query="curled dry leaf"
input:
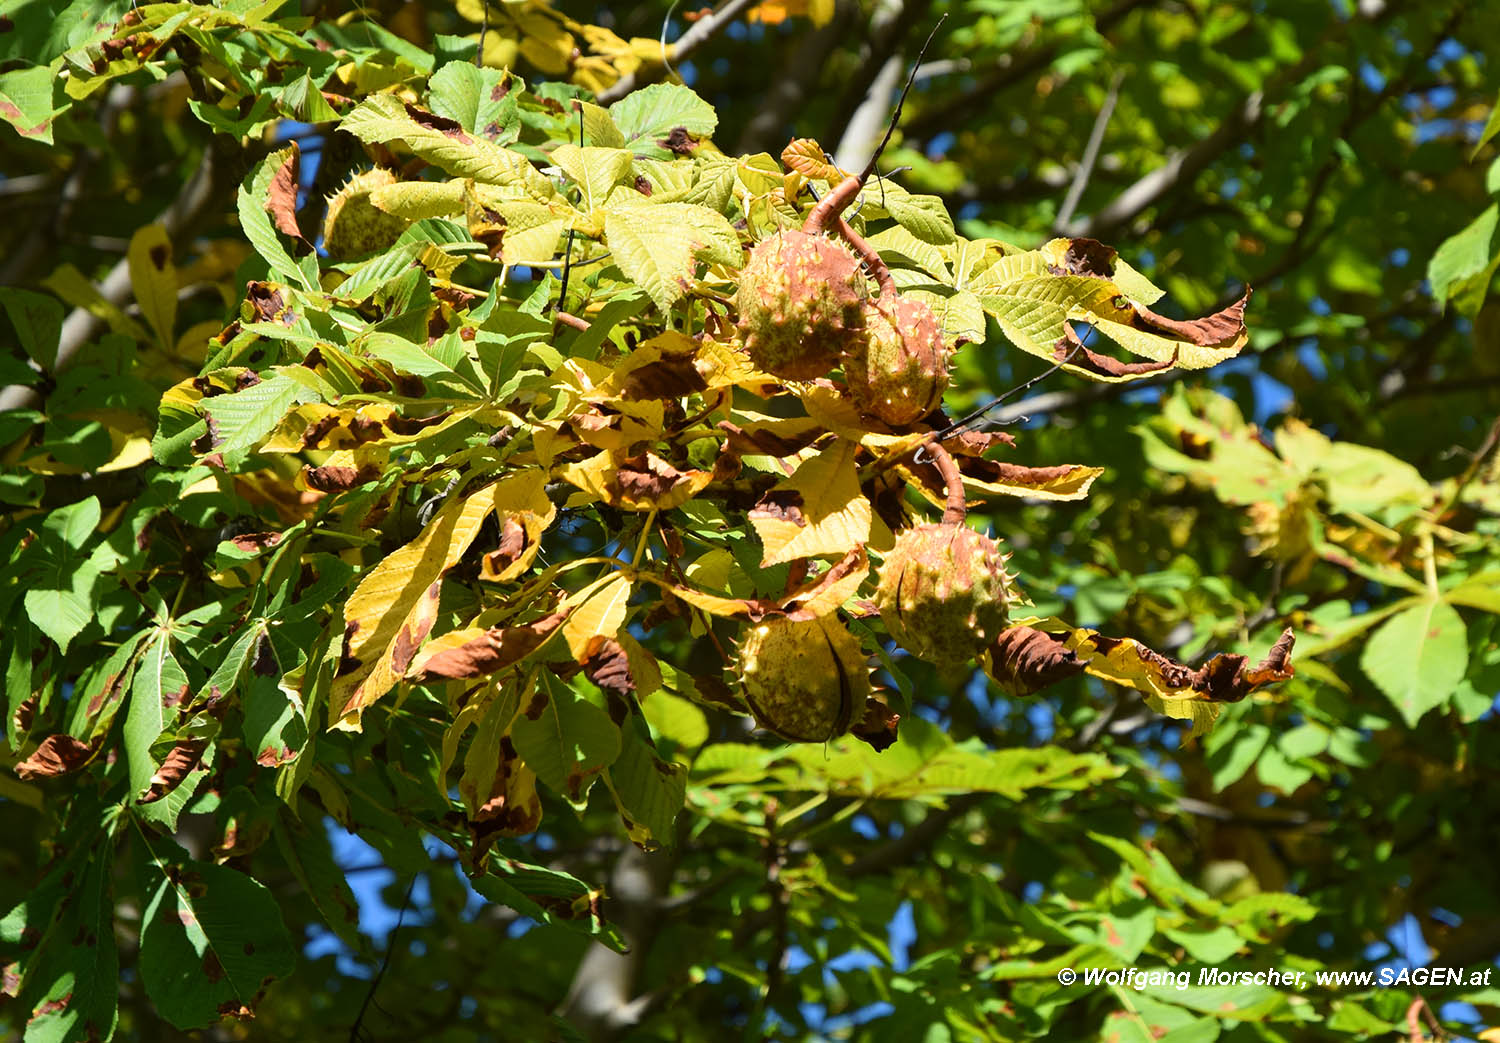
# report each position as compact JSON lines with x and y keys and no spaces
{"x":489,"y":652}
{"x":1024,"y":660}
{"x":607,"y":665}
{"x":176,"y":766}
{"x":1211,"y":331}
{"x":57,"y":755}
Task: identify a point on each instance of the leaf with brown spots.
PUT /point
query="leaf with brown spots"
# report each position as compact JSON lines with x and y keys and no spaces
{"x":210,"y":939}
{"x":818,"y":510}
{"x":57,"y":755}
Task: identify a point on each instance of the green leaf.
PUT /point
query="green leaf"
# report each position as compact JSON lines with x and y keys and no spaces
{"x":1418,"y":657}
{"x":548,"y":896}
{"x":301,"y":100}
{"x":479,"y":99}
{"x":72,"y":984}
{"x":925,"y":762}
{"x":255,"y":221}
{"x":655,"y":244}
{"x":210,"y":939}
{"x":309,"y":856}
{"x":244,"y":418}
{"x":648,"y":790}
{"x":26,"y":101}
{"x":38,"y":319}
{"x":158,"y":676}
{"x":1463,"y":255}
{"x":648,"y":116}
{"x":923,"y":216}
{"x":565,"y":739}
{"x":1481,"y":592}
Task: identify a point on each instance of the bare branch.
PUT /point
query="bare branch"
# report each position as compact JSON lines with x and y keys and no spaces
{"x":697,"y":34}
{"x":1090,"y":155}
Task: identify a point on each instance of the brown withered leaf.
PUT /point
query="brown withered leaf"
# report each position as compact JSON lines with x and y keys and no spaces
{"x":646,"y":477}
{"x":1228,"y":678}
{"x":265,"y":300}
{"x":281,"y":201}
{"x":607,"y":665}
{"x":441,"y":124}
{"x":1023,"y":660}
{"x":330,"y":478}
{"x":1088,"y":257}
{"x":494,"y":650}
{"x":1223,"y":327}
{"x":782,"y":504}
{"x":255,"y":541}
{"x":176,"y":766}
{"x":1072,"y":351}
{"x":671,"y":376}
{"x":877,"y":725}
{"x":57,"y":755}
{"x":512,"y":544}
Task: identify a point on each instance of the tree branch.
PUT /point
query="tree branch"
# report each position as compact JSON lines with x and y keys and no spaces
{"x":697,"y":34}
{"x":1090,"y":155}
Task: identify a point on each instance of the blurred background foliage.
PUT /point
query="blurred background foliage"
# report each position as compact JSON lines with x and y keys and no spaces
{"x":1331,"y":155}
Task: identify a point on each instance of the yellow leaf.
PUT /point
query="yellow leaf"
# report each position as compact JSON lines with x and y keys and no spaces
{"x":818,"y":510}
{"x":598,"y":608}
{"x":392,"y":610}
{"x":153,"y":277}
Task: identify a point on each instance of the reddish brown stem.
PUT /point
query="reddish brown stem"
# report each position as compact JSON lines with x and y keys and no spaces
{"x":868,"y":254}
{"x":958,"y":506}
{"x":832,"y":205}
{"x":571,"y":320}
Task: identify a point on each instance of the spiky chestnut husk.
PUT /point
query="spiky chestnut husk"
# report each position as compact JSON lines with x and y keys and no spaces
{"x":354,"y":226}
{"x":898,"y":370}
{"x":799,"y":298}
{"x":804,"y":680}
{"x":943,"y":592}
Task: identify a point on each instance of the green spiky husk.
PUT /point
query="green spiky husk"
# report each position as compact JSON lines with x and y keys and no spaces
{"x":354,"y":226}
{"x":799,"y":299}
{"x":898,"y":370}
{"x":804,"y":680}
{"x":944,"y":593}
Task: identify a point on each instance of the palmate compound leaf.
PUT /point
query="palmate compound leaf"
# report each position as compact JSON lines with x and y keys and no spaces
{"x":564,"y":738}
{"x":1418,"y":657}
{"x":211,"y":939}
{"x":656,"y":245}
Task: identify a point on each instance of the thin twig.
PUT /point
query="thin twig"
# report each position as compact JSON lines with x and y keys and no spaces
{"x":699,"y":33}
{"x":390,"y":947}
